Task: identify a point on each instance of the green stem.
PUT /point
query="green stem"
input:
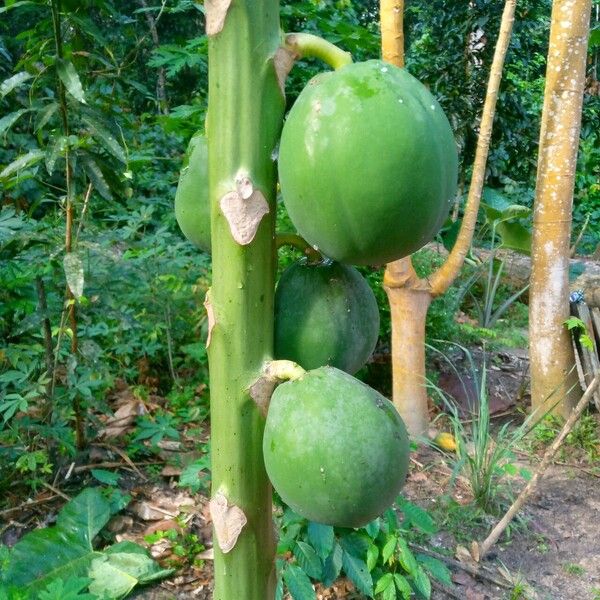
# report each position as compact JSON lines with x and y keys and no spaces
{"x":307,"y":45}
{"x":298,"y":242}
{"x":246,"y":113}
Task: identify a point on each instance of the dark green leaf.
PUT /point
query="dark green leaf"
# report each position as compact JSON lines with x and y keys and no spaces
{"x":8,"y":85}
{"x":422,"y":583}
{"x":357,"y":572}
{"x":332,"y":565}
{"x":96,"y":176}
{"x":436,"y":568}
{"x":15,"y":5}
{"x":68,"y":589}
{"x":68,"y":75}
{"x":298,"y":583}
{"x":373,"y":528}
{"x":22,"y":162}
{"x":418,"y":517}
{"x":105,"y":138}
{"x":106,"y":477}
{"x":56,"y":150}
{"x":356,"y":543}
{"x":308,"y":560}
{"x":321,"y":537}
{"x":45,"y":115}
{"x":10,"y":119}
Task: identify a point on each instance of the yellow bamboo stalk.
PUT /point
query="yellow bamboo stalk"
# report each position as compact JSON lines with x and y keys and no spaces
{"x":552,"y":375}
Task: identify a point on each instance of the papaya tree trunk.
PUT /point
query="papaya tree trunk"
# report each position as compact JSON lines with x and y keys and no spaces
{"x":553,"y":378}
{"x":410,"y":296}
{"x":246,"y":107}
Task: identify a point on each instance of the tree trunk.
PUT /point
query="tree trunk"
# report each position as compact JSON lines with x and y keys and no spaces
{"x":551,"y":355}
{"x":408,"y":295}
{"x":246,"y":108}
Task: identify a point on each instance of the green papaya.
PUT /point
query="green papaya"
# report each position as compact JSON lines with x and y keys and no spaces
{"x":367,"y":163}
{"x":192,"y":206}
{"x":335,"y":450}
{"x":325,"y":314}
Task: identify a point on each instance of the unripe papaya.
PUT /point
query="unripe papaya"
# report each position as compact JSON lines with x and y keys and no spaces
{"x":335,"y":450}
{"x":325,"y":314}
{"x":192,"y":206}
{"x":367,"y":163}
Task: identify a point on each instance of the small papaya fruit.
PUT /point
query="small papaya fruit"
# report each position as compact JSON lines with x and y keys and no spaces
{"x":325,"y":314}
{"x":192,"y":206}
{"x":335,"y":450}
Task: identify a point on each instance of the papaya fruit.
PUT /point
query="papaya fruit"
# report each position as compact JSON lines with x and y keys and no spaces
{"x":325,"y":314}
{"x":192,"y":206}
{"x":335,"y":450}
{"x":367,"y":163}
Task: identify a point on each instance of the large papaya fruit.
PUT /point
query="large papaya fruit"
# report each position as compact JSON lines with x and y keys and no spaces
{"x":325,"y":314}
{"x":335,"y":450}
{"x":192,"y":207}
{"x":367,"y":163}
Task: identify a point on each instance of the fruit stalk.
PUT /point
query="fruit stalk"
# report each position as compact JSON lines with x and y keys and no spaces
{"x":246,"y":112}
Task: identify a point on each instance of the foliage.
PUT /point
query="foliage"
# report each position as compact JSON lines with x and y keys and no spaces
{"x":484,"y":458}
{"x":62,"y":559}
{"x":377,"y":558}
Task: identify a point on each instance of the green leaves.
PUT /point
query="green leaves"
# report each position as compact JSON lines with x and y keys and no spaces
{"x":322,"y":538}
{"x":357,"y":572}
{"x":8,"y":85}
{"x":68,"y":75}
{"x":65,"y":552}
{"x":298,"y":583}
{"x":22,"y":162}
{"x":308,"y":560}
{"x":10,"y":119}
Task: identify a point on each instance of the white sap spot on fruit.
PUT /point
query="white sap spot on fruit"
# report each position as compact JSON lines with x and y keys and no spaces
{"x":400,"y":100}
{"x":384,"y":69}
{"x":433,"y":107}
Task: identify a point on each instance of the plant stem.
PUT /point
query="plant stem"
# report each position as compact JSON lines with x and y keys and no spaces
{"x":246,"y":113}
{"x":47,"y":333}
{"x":307,"y":45}
{"x":298,"y":242}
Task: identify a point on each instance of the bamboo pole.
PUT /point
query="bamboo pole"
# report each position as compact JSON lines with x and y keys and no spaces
{"x":550,"y":350}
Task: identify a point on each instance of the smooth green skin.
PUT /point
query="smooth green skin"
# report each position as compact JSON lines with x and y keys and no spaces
{"x":367,"y":164}
{"x":246,"y":106}
{"x":335,"y":450}
{"x":325,"y":314}
{"x":192,"y":207}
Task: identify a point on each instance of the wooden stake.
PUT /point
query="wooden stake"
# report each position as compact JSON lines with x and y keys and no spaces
{"x":492,"y":538}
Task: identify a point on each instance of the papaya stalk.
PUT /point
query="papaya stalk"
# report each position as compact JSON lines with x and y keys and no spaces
{"x":246,"y":107}
{"x":409,"y":295}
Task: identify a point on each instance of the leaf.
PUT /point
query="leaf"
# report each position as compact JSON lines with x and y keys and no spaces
{"x":403,"y":586}
{"x":62,"y":551}
{"x":388,"y":549}
{"x":308,"y":560}
{"x":8,"y":85}
{"x":384,"y":582}
{"x":332,"y":565}
{"x":105,"y":138}
{"x":67,"y":590}
{"x":372,"y":556}
{"x":322,"y":538}
{"x":57,"y":149}
{"x":73,"y":267}
{"x":10,"y":119}
{"x":298,"y":583}
{"x":373,"y":528}
{"x":422,"y":583}
{"x":406,"y":558}
{"x":436,"y":568}
{"x":418,"y":517}
{"x":68,"y":75}
{"x":96,"y":176}
{"x":115,"y":574}
{"x":279,"y":588}
{"x":15,"y":5}
{"x":389,"y":593}
{"x":45,"y":115}
{"x":357,"y":572}
{"x":515,"y":236}
{"x":22,"y":162}
{"x":356,"y":543}
{"x":106,"y":477}
{"x":594,"y":39}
